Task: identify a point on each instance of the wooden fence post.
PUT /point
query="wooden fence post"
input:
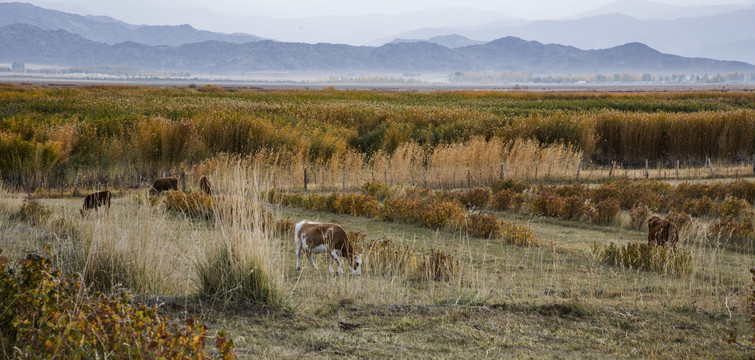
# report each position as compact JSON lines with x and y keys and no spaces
{"x":503,"y":172}
{"x":710,"y":166}
{"x":305,"y":179}
{"x":677,"y":169}
{"x":183,"y":181}
{"x":76,"y":185}
{"x":424,"y":175}
{"x":647,"y":175}
{"x":610,"y":172}
{"x":343,"y":178}
{"x":579,"y":167}
{"x":469,"y":180}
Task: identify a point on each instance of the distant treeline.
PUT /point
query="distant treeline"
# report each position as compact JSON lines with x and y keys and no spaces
{"x":49,"y":131}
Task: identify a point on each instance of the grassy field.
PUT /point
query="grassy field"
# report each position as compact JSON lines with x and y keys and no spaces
{"x":554,"y":301}
{"x":229,"y":260}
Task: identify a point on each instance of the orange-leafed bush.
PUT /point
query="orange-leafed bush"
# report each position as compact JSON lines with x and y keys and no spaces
{"x":49,"y":315}
{"x":575,"y":207}
{"x":638,"y":217}
{"x":740,"y":233}
{"x":513,"y":185}
{"x":606,"y":211}
{"x":481,"y":225}
{"x":733,"y":207}
{"x":476,"y":198}
{"x":506,"y":200}
{"x":548,"y":204}
{"x":515,"y":234}
{"x":440,"y":214}
{"x":194,"y":204}
{"x":377,"y":190}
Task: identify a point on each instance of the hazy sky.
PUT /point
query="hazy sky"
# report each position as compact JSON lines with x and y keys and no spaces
{"x":527,"y":9}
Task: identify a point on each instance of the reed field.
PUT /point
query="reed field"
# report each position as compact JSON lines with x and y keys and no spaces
{"x":497,"y":225}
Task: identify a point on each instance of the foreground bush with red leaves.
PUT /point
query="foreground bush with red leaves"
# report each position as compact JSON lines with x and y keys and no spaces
{"x":44,"y":314}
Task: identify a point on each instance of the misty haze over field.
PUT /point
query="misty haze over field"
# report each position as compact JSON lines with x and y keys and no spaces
{"x":443,"y":36}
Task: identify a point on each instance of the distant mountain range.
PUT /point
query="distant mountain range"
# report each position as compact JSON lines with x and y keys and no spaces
{"x":713,"y":36}
{"x":108,"y":30}
{"x":31,"y":44}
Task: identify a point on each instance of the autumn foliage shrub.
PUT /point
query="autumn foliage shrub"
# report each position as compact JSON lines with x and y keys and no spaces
{"x":506,"y":200}
{"x":478,"y":198}
{"x":575,"y":207}
{"x":516,"y":234}
{"x":482,"y":225}
{"x":740,"y":233}
{"x":513,"y":185}
{"x":638,"y":217}
{"x":606,"y":211}
{"x":377,"y":190}
{"x":548,"y":204}
{"x":48,"y":315}
{"x":193,"y":204}
{"x":733,"y":207}
{"x":33,"y":212}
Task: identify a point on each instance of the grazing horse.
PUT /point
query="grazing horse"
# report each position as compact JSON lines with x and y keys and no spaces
{"x":313,"y":237}
{"x":162,"y":184}
{"x":662,"y":232}
{"x":95,"y":200}
{"x":205,"y":185}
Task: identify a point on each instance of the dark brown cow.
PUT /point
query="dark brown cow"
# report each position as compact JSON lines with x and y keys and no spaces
{"x":205,"y":185}
{"x":313,"y":237}
{"x":163,"y":184}
{"x":662,"y":232}
{"x":95,"y":200}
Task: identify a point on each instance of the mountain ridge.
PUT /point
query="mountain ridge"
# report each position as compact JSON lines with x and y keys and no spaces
{"x":30,"y":44}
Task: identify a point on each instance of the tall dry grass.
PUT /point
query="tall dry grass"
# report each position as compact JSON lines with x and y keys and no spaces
{"x":241,"y":259}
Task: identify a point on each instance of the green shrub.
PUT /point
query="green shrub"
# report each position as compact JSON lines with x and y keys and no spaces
{"x":646,"y":257}
{"x":48,"y":315}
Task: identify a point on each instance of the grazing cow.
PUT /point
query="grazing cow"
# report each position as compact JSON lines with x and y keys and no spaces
{"x":205,"y":185}
{"x":662,"y":232}
{"x":162,"y":184}
{"x":95,"y":200}
{"x":323,"y":237}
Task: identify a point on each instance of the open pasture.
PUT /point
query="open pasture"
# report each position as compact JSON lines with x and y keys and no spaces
{"x":444,"y":274}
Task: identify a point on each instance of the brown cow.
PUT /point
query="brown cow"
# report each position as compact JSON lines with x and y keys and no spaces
{"x":662,"y":232}
{"x":162,"y":184}
{"x":315,"y":237}
{"x":205,"y":185}
{"x":95,"y":200}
